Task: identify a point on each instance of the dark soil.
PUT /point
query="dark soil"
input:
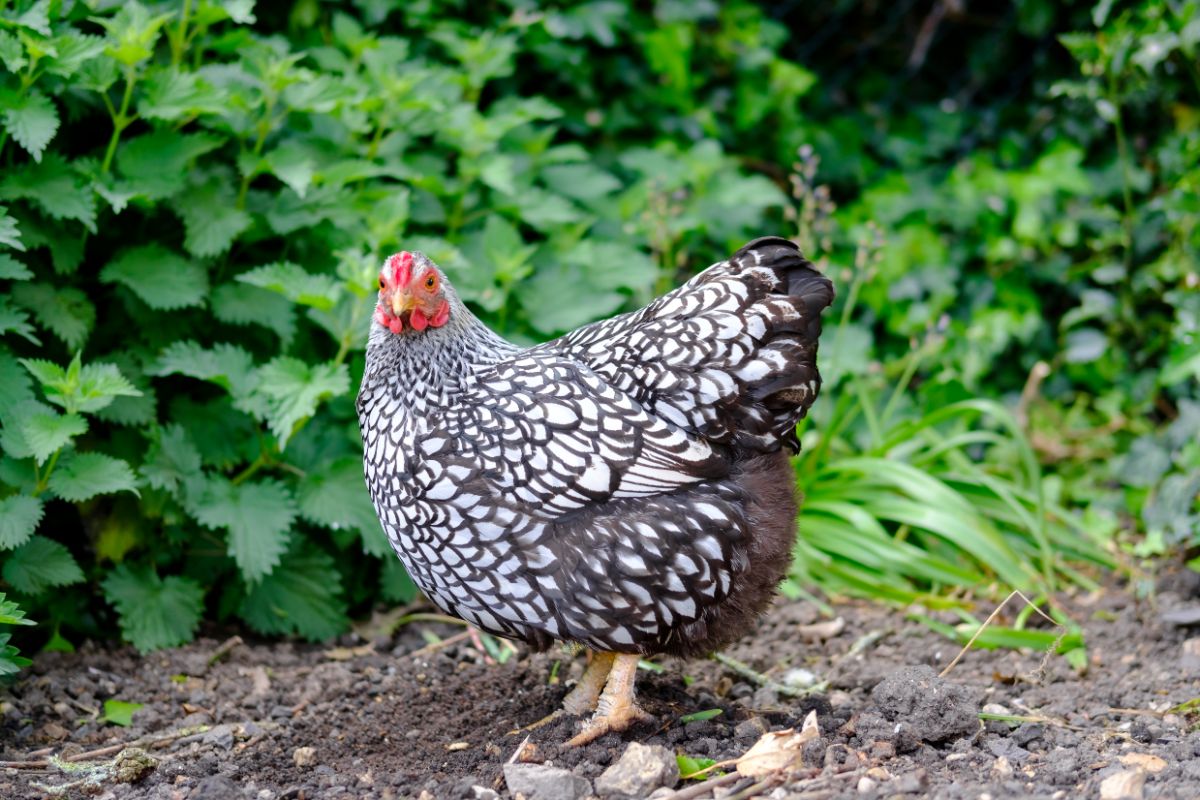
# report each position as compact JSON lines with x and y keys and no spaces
{"x":381,"y":722}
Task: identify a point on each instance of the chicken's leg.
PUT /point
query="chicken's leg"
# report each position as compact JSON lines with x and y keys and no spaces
{"x":583,"y":698}
{"x":616,"y":709}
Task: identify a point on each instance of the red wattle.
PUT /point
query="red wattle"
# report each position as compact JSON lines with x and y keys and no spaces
{"x":380,"y":316}
{"x":395,"y":324}
{"x":418,"y":320}
{"x":442,"y":315}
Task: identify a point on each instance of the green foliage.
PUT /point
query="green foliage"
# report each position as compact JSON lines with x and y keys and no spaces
{"x":10,"y":660}
{"x":195,"y":199}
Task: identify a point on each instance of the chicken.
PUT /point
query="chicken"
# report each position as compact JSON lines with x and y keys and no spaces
{"x":625,"y":486}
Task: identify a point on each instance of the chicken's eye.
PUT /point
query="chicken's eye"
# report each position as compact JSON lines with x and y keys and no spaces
{"x":381,"y":285}
{"x":430,"y":282}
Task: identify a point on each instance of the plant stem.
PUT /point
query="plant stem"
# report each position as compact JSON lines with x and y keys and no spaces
{"x":264,"y":128}
{"x":44,"y":479}
{"x":254,"y":466}
{"x":1126,"y":179}
{"x":179,"y":40}
{"x":120,"y":120}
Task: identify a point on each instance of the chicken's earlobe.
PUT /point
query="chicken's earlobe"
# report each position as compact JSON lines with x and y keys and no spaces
{"x":443,"y":314}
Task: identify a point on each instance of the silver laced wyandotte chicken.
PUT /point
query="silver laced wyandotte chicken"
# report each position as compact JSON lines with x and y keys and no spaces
{"x":626,"y":486}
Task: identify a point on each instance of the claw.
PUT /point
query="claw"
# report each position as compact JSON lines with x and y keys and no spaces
{"x":584,"y":697}
{"x":616,"y":710}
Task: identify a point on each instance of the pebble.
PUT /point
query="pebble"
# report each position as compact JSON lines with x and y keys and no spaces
{"x":640,"y":770}
{"x":1127,"y":784}
{"x":540,"y":782}
{"x":304,"y":756}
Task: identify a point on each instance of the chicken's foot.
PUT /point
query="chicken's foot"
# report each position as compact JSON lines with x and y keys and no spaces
{"x":586,"y":693}
{"x":616,"y":709}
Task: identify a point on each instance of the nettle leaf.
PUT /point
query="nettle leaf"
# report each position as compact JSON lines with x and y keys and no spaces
{"x":132,"y":33}
{"x":302,"y":596}
{"x":155,"y":163}
{"x":19,"y":518}
{"x":13,"y":270}
{"x":295,"y":283}
{"x":171,"y":94}
{"x":162,"y":279}
{"x":292,"y":164}
{"x":32,"y":122}
{"x":171,"y":460}
{"x":211,"y":218}
{"x":10,"y":234}
{"x":48,"y":431}
{"x":55,"y":187}
{"x":80,"y":388}
{"x":336,"y":496}
{"x":72,"y":51}
{"x":36,"y":18}
{"x":11,"y":52}
{"x":226,"y":365}
{"x":583,"y":182}
{"x":64,"y":311}
{"x":16,"y":390}
{"x":154,"y":612}
{"x":292,"y":390}
{"x":258,"y":517}
{"x":41,"y":564}
{"x":82,"y":476}
{"x":13,"y":319}
{"x":249,"y":305}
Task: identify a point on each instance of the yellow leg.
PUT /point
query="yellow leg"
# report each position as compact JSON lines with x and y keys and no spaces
{"x":616,"y":709}
{"x":586,"y":694}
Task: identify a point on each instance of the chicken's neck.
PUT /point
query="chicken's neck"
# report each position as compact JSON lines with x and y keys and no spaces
{"x":426,"y":369}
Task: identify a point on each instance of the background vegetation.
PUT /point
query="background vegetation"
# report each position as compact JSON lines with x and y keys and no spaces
{"x":196,"y":195}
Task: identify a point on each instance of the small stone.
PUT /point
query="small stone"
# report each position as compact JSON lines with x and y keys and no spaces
{"x":220,"y":736}
{"x":456,"y":746}
{"x":215,"y":787}
{"x":304,"y":756}
{"x":866,"y":785}
{"x":799,"y":678}
{"x":640,"y":770}
{"x":1127,"y":784}
{"x":661,"y":792}
{"x":926,"y":707}
{"x":1002,"y":768}
{"x":540,"y":782}
{"x":750,"y":729}
{"x":910,"y":783}
{"x":484,"y":793}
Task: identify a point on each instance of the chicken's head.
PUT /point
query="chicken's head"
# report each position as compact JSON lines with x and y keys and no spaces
{"x":411,"y":295}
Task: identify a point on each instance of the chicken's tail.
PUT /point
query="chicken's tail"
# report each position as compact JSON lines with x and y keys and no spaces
{"x":731,"y":355}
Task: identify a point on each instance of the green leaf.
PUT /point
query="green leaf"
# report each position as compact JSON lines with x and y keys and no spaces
{"x":119,"y":712}
{"x":80,"y":388}
{"x":154,"y":163}
{"x":293,"y":165}
{"x":224,"y":364}
{"x":132,"y":33}
{"x":295,"y":283}
{"x":171,"y":94}
{"x":11,"y":52}
{"x":11,"y":613}
{"x":84,"y":475}
{"x":171,"y":460}
{"x":154,"y":612}
{"x":13,"y":270}
{"x":36,"y":18}
{"x":583,"y":182}
{"x":55,"y":187}
{"x":701,"y":716}
{"x":258,"y":517}
{"x":74,"y":49}
{"x":16,"y":390}
{"x":41,"y":564}
{"x":19,"y":518}
{"x":161,"y":278}
{"x":32,"y":122}
{"x":10,"y":234}
{"x":292,"y":390}
{"x":16,"y":321}
{"x":395,"y":583}
{"x":336,"y":496}
{"x":66,"y":312}
{"x":249,"y":305}
{"x":302,"y":596}
{"x":45,"y":432}
{"x":211,"y":218}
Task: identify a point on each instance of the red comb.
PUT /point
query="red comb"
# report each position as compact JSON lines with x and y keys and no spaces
{"x":401,"y":267}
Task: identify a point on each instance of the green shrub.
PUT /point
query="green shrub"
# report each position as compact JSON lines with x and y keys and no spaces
{"x":195,"y":198}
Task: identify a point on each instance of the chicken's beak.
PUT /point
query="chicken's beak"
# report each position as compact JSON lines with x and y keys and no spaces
{"x":401,"y":301}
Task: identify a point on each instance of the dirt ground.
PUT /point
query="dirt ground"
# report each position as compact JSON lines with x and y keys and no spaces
{"x":396,"y":717}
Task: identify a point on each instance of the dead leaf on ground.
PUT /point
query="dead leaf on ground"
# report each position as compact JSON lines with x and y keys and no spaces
{"x":347,"y":653}
{"x":1145,"y":761}
{"x":779,"y":750}
{"x":819,"y":631}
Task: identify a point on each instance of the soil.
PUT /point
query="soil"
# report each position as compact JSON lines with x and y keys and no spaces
{"x":391,"y":716}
